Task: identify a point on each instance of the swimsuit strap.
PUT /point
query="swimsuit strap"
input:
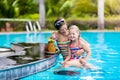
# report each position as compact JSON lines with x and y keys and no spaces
{"x":75,"y":48}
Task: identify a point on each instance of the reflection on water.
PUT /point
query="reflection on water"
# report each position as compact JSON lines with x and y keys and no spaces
{"x":37,"y":37}
{"x":100,"y":39}
{"x":33,"y":52}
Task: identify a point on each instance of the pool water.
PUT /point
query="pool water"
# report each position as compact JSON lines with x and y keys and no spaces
{"x":7,"y":39}
{"x":105,"y":47}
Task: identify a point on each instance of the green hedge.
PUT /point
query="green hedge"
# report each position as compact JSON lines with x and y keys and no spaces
{"x":86,"y":24}
{"x":82,"y":24}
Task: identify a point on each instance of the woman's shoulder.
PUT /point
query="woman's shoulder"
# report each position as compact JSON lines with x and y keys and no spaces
{"x":55,"y":32}
{"x":84,"y":42}
{"x":81,"y":42}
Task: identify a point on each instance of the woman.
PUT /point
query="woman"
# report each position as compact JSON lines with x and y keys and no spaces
{"x":61,"y":36}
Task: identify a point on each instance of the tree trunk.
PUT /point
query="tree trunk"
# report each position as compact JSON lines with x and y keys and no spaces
{"x":100,"y":14}
{"x":42,"y":12}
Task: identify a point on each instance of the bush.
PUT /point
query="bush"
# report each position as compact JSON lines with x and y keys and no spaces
{"x":82,"y":24}
{"x":30,"y":16}
{"x":86,"y":24}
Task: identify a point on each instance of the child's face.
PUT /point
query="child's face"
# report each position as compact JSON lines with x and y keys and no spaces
{"x":73,"y":35}
{"x":63,"y":29}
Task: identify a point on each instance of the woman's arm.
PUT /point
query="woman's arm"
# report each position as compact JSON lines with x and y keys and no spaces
{"x":53,"y":36}
{"x":85,"y":41}
{"x":79,"y":52}
{"x":87,"y":49}
{"x":68,"y":57}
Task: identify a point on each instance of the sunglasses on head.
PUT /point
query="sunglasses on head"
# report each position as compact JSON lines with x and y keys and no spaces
{"x":59,"y":23}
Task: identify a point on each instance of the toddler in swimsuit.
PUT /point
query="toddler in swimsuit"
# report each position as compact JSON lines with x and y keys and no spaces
{"x":77,"y":47}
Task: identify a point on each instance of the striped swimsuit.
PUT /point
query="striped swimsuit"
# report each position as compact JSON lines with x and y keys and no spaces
{"x":74,"y":50}
{"x":63,"y":46}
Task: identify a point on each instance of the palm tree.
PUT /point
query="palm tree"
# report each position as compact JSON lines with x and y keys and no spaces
{"x":112,"y":7}
{"x":53,"y":9}
{"x":42,"y":12}
{"x":100,"y":14}
{"x":85,"y":7}
{"x":59,"y":8}
{"x":14,"y":8}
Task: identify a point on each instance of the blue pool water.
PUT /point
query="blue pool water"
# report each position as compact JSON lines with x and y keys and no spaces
{"x":105,"y":47}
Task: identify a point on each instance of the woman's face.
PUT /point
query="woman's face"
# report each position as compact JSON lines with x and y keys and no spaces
{"x":63,"y":29}
{"x":73,"y":35}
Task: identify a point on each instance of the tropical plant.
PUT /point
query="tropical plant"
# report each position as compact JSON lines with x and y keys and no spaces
{"x":14,"y":8}
{"x":85,"y":7}
{"x":59,"y":8}
{"x":112,"y":7}
{"x":27,"y":7}
{"x":8,"y":8}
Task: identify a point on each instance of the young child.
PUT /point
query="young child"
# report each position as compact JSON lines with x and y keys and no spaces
{"x":61,"y":36}
{"x":77,"y":47}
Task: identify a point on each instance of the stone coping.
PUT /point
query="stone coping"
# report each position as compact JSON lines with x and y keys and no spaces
{"x":55,"y":30}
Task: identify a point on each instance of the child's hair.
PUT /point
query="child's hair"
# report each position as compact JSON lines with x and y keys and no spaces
{"x":75,"y":28}
{"x":58,"y":23}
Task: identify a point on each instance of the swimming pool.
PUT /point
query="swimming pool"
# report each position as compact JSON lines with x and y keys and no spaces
{"x":105,"y":47}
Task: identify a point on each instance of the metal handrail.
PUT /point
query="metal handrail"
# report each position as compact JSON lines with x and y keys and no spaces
{"x":36,"y":26}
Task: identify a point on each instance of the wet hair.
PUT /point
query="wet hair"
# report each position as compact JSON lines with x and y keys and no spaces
{"x":75,"y":28}
{"x":58,"y":23}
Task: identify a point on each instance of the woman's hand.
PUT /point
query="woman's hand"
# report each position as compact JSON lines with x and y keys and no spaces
{"x":63,"y":63}
{"x":83,"y":61}
{"x":79,"y":52}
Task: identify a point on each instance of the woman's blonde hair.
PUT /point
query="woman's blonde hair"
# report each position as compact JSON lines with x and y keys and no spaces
{"x":75,"y":28}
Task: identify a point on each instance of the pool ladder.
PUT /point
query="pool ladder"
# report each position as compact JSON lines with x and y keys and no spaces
{"x":33,"y":27}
